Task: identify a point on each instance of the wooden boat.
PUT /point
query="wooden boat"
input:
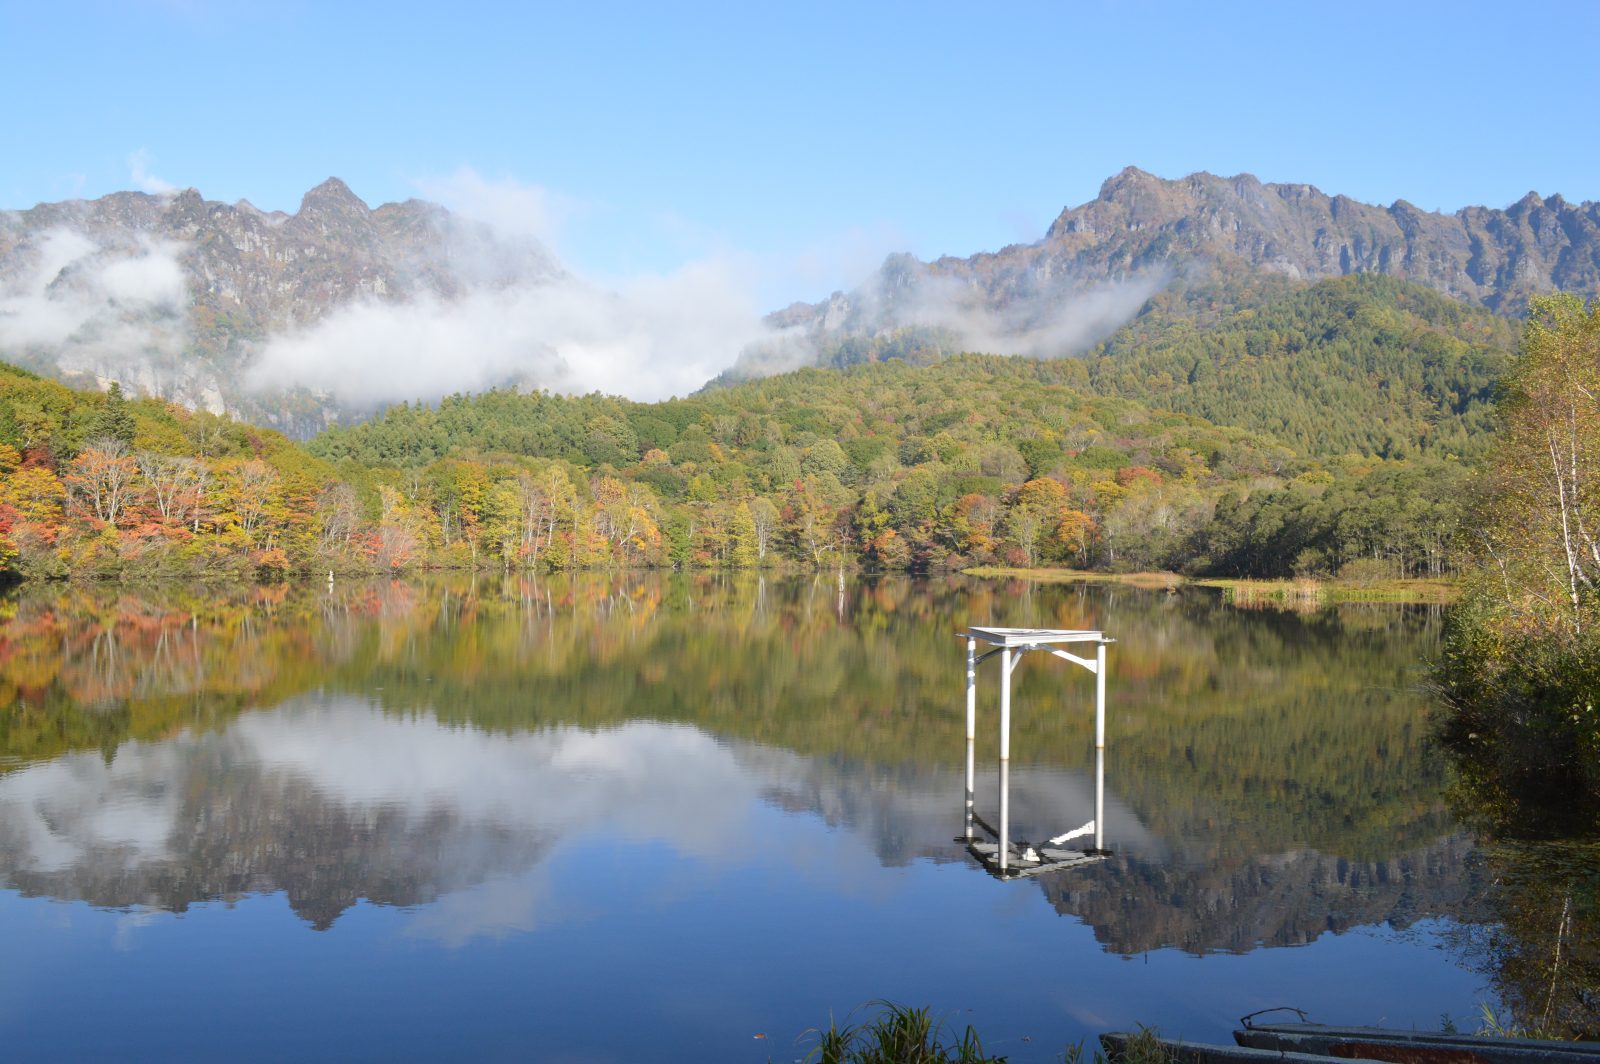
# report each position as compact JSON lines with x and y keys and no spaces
{"x":1315,"y":1043}
{"x":1411,"y":1047}
{"x":1181,"y":1052}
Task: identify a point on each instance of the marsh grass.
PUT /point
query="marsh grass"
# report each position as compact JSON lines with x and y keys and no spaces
{"x":1143,"y":1046}
{"x":897,"y":1034}
{"x":1494,"y":1027}
{"x":1301,"y":593}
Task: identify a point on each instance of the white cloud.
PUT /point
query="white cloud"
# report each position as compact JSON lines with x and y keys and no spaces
{"x":649,"y":337}
{"x":153,"y":278}
{"x":837,"y":262}
{"x":113,"y":308}
{"x":522,"y":319}
{"x":507,"y":206}
{"x":143,"y":179}
{"x":509,"y":313}
{"x":1052,"y":323}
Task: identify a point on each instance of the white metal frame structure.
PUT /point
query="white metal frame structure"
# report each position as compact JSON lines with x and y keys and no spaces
{"x":1001,"y":857}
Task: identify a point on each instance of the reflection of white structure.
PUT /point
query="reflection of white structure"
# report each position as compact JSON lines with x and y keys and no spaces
{"x":1007,"y":857}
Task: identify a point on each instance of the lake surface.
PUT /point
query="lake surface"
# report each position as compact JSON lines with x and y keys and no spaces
{"x":678,"y":818}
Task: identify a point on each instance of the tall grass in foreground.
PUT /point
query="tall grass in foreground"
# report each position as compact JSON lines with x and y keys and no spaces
{"x":898,"y":1034}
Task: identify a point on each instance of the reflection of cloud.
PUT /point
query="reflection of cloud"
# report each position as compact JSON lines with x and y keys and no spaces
{"x":128,"y":925}
{"x":491,"y":910}
{"x":63,"y":812}
{"x":641,"y":780}
{"x":332,"y":800}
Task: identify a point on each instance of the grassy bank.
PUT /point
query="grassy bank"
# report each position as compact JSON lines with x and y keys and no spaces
{"x":1333,"y":592}
{"x":1154,"y":581}
{"x":1294,"y":594}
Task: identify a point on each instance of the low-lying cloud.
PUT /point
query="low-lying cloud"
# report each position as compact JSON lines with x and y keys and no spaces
{"x":102,"y":306}
{"x":1052,"y":323}
{"x":648,"y":338}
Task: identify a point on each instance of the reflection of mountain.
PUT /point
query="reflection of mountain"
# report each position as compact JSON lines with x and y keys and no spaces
{"x":331,"y":801}
{"x":906,"y":813}
{"x":1275,"y":900}
{"x":200,"y":818}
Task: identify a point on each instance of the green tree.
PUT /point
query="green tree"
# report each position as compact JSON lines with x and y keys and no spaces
{"x":745,"y":554}
{"x":1521,"y":672}
{"x":112,"y":420}
{"x":1542,"y":533}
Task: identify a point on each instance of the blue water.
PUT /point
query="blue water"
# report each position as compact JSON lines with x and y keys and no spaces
{"x":329,"y":877}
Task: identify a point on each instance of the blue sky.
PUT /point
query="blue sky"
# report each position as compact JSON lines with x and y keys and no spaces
{"x":814,"y":136}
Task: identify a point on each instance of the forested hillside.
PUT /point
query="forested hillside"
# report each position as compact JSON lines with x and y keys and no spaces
{"x":1355,"y":365}
{"x":977,"y":459}
{"x":94,"y":485}
{"x":1266,"y":431}
{"x":1364,"y":364}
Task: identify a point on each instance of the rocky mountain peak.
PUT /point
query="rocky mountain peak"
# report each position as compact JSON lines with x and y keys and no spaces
{"x":333,"y":196}
{"x":1128,"y":180}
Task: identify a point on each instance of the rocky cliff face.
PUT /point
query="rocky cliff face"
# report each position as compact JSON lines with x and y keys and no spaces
{"x":83,"y":290}
{"x":1493,"y":257}
{"x":1142,"y":232}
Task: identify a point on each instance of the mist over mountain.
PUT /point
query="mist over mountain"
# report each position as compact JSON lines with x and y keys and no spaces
{"x":295,"y":320}
{"x":298,"y":320}
{"x":176,"y":296}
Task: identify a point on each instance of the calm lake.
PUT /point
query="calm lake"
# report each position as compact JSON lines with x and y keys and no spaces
{"x":680,"y":818}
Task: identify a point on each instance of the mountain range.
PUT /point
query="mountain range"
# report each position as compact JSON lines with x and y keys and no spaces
{"x":1099,"y":262}
{"x":82,"y":292}
{"x":178,"y":296}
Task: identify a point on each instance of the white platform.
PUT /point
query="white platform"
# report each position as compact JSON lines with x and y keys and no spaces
{"x":1024,"y":637}
{"x":1047,"y":859}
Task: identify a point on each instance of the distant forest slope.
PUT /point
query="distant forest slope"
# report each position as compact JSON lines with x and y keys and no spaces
{"x":1365,"y":364}
{"x":973,"y":459}
{"x":1354,"y":365}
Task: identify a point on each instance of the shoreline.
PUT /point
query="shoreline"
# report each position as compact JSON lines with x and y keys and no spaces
{"x":1302,"y":593}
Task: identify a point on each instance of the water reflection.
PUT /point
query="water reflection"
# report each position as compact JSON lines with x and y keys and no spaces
{"x":1539,"y":943}
{"x":331,"y":800}
{"x":411,"y":743}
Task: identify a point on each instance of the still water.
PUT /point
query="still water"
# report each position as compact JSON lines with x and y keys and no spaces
{"x":666,"y":818}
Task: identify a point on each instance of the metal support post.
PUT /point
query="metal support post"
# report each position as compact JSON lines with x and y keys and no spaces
{"x":1100,"y":696}
{"x":1005,"y":757}
{"x":972,"y":727}
{"x":1100,"y":798}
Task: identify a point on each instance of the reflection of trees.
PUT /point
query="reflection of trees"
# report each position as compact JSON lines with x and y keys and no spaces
{"x":1277,"y":758}
{"x":1544,"y":949}
{"x":1539,"y":940}
{"x":1234,"y":733}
